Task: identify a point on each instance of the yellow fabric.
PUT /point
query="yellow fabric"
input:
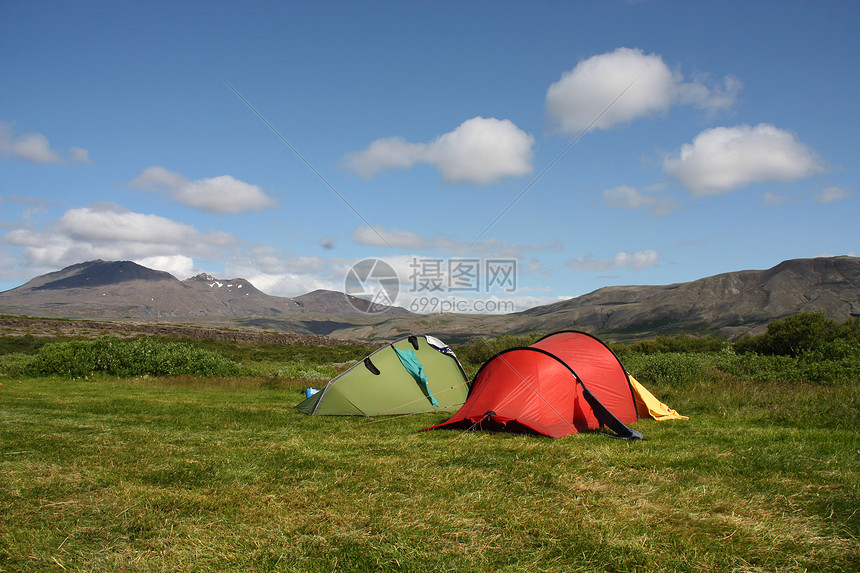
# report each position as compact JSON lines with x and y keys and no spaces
{"x":649,"y":406}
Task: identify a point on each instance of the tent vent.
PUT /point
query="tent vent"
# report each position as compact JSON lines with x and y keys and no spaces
{"x":413,"y":340}
{"x":370,"y":366}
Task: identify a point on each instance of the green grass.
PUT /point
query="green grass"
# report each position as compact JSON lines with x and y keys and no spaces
{"x":192,"y":474}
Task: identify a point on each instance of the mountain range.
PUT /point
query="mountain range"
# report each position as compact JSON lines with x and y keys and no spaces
{"x":727,"y":305}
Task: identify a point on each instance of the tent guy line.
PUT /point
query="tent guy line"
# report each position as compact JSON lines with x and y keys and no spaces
{"x":554,"y":161}
{"x":306,"y":162}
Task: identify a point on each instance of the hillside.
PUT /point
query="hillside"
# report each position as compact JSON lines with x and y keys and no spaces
{"x":728,"y":305}
{"x":123,"y":290}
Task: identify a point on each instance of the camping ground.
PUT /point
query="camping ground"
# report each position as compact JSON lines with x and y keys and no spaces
{"x":192,"y":473}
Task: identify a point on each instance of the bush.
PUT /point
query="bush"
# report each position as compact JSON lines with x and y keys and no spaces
{"x":680,"y":343}
{"x":15,"y":364}
{"x":138,"y":357}
{"x":836,"y":361}
{"x":849,"y":331}
{"x":758,"y":367}
{"x":27,"y":344}
{"x":670,"y":368}
{"x":793,"y":335}
{"x":839,"y":364}
{"x":298,"y":370}
{"x":280,"y":353}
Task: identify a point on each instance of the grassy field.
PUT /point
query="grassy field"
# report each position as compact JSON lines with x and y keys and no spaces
{"x":189,"y":474}
{"x":210,"y":468}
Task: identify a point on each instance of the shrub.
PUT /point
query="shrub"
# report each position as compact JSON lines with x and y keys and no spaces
{"x":671,"y":368}
{"x":142,"y":356}
{"x":279,"y":353}
{"x":300,"y":370}
{"x":680,"y":343}
{"x":758,"y":367}
{"x":849,"y":331}
{"x":15,"y":364}
{"x":27,"y":344}
{"x":836,"y":361}
{"x":792,"y":336}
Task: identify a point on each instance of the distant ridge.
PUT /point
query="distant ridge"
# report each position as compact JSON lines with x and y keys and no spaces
{"x":727,"y":305}
{"x":124,"y":290}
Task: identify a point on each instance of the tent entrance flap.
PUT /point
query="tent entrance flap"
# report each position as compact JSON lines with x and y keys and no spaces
{"x":649,"y":406}
{"x":416,"y":370}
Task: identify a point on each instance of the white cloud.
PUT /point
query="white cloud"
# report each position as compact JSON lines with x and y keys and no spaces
{"x":79,"y":155}
{"x":384,"y":154}
{"x":711,"y":99}
{"x":833,"y":194}
{"x":585,"y":92}
{"x":772,"y":199}
{"x":282,"y":274}
{"x":408,"y":240}
{"x":482,"y":151}
{"x":848,"y":254}
{"x":107,"y":231}
{"x":626,"y":197}
{"x":107,"y":223}
{"x":723,"y":159}
{"x":534,"y":266}
{"x":157,"y":178}
{"x":35,"y":148}
{"x":479,"y":150}
{"x":222,"y":194}
{"x":180,"y":266}
{"x":394,"y":238}
{"x":622,"y":260}
{"x":291,"y":284}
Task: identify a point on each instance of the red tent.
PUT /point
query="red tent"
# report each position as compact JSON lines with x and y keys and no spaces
{"x":564,"y":383}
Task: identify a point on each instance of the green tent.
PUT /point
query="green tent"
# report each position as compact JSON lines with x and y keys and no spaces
{"x":411,"y":375}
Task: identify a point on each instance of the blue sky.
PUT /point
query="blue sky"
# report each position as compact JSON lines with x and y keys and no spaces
{"x":594,"y":143}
